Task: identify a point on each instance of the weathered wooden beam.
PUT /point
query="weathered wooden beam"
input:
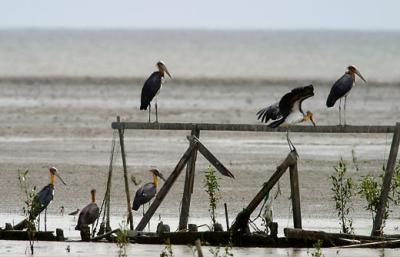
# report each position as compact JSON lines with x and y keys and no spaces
{"x":189,"y":180}
{"x":211,"y":158}
{"x":387,"y":180}
{"x":252,"y":127}
{"x":128,"y":197}
{"x":314,"y":235}
{"x":379,"y":244}
{"x":105,"y":235}
{"x":166,"y":187}
{"x":243,"y":217}
{"x":295,"y":195}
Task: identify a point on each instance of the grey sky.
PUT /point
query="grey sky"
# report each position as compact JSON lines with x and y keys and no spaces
{"x":207,"y":14}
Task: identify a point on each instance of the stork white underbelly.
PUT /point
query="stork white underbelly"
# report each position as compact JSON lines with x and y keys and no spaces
{"x":293,"y":118}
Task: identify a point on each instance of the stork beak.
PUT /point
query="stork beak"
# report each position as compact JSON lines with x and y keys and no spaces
{"x":166,"y":71}
{"x":161,"y":176}
{"x":361,"y":77}
{"x":58,"y":176}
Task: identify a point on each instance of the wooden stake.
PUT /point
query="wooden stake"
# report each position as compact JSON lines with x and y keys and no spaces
{"x":226,"y":217}
{"x":242,"y":218}
{"x":166,"y":187}
{"x":295,"y":195}
{"x":197,"y":243}
{"x":391,"y":163}
{"x":211,"y":158}
{"x":189,"y":181}
{"x":128,"y":197}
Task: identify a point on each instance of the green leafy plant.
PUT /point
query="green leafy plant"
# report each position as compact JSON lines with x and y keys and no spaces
{"x":343,"y":190}
{"x":370,"y":189}
{"x":211,"y":186}
{"x":122,"y":239}
{"x":29,"y":194}
{"x":317,"y":249}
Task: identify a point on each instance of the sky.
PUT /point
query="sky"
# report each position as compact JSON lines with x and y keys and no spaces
{"x":202,"y":14}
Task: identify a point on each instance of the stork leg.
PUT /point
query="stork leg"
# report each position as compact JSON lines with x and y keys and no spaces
{"x":45,"y":220}
{"x":340,"y":111}
{"x":156,"y":111}
{"x":345,"y":100}
{"x":148,"y":226}
{"x":291,"y":146}
{"x":149,"y":111}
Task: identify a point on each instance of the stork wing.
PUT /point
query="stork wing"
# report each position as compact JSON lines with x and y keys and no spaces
{"x":270,"y":112}
{"x":339,"y":89}
{"x":288,"y":101}
{"x":150,"y":89}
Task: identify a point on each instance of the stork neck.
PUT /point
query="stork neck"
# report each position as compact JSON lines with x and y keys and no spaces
{"x":155,"y":180}
{"x":93,"y":197}
{"x":52,"y":178}
{"x":352,"y":74}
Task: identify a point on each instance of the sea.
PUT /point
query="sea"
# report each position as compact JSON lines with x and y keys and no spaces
{"x":196,"y":54}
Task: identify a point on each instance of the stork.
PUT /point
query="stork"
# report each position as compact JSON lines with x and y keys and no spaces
{"x":152,"y":87}
{"x":146,"y":192}
{"x":288,"y":111}
{"x":90,"y":213}
{"x":342,"y":88}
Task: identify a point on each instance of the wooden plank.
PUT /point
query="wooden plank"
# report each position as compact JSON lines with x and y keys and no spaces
{"x":314,"y":235}
{"x":212,"y":159}
{"x":105,"y":235}
{"x":252,"y":127}
{"x":128,"y":197}
{"x":189,"y":181}
{"x":243,"y":217}
{"x":295,"y":195}
{"x":387,"y":180}
{"x":379,"y":244}
{"x":166,"y":187}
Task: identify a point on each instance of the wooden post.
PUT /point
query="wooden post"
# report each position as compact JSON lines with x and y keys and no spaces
{"x":128,"y":197}
{"x":189,"y":181}
{"x":211,"y":158}
{"x":295,"y":195}
{"x":391,"y":163}
{"x":197,"y":243}
{"x":243,"y":217}
{"x":166,"y":187}
{"x":226,"y":217}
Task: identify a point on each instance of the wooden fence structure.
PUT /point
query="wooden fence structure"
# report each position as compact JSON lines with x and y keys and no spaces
{"x":190,"y":158}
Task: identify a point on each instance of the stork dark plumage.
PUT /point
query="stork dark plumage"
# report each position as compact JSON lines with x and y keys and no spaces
{"x":342,"y":88}
{"x":288,"y":111}
{"x":152,"y":87}
{"x":146,"y":192}
{"x":41,"y":199}
{"x":45,"y":196}
{"x":90,"y":213}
